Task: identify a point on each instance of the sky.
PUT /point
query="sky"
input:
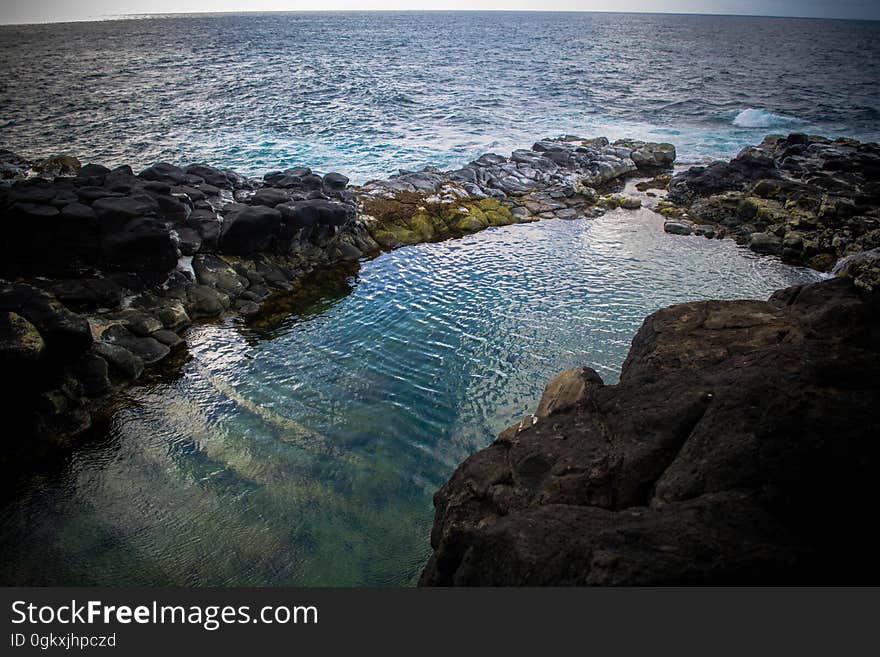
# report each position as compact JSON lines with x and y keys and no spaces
{"x":39,"y":11}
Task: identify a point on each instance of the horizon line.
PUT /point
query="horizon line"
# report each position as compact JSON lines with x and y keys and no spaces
{"x":174,"y":14}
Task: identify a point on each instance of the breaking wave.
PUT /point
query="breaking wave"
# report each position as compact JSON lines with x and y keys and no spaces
{"x":758,"y":118}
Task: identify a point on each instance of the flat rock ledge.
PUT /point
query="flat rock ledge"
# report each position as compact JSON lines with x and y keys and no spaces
{"x":808,"y":199}
{"x":102,"y":270}
{"x":739,"y":447}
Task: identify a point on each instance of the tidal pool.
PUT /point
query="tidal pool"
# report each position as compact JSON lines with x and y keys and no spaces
{"x":303,"y":449}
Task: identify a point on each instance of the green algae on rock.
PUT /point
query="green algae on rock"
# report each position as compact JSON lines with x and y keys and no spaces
{"x":407,"y":220}
{"x":808,"y":199}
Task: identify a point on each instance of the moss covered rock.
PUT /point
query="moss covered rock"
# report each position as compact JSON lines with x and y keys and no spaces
{"x":411,"y":218}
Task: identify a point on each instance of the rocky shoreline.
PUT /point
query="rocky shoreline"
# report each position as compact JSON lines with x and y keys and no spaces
{"x":810,"y":200}
{"x":738,"y":446}
{"x":102,"y":271}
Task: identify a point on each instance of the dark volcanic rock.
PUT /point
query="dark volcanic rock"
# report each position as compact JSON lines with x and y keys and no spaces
{"x":93,"y":373}
{"x":739,"y":447}
{"x":143,"y":245}
{"x":649,"y":156}
{"x":89,"y":194}
{"x":748,"y":167}
{"x":316,"y":212}
{"x":211,"y":175}
{"x":164,"y":172}
{"x":93,"y":171}
{"x":87,"y":293}
{"x":250,"y":230}
{"x":112,"y":208}
{"x":148,"y":349}
{"x":335,"y":182}
{"x":807,"y":198}
{"x":269,"y":197}
{"x":123,"y":364}
{"x":189,"y":240}
{"x":67,"y":335}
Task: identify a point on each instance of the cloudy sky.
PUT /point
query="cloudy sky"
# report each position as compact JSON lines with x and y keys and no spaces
{"x":28,"y":11}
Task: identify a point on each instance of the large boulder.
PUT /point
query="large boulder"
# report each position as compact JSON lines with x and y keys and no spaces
{"x":207,"y":224}
{"x":164,"y":172}
{"x":41,"y":239}
{"x":317,"y":212}
{"x":335,"y":182}
{"x":649,"y":157}
{"x":141,"y":245}
{"x":738,"y":448}
{"x":93,"y":171}
{"x":148,"y":349}
{"x":81,"y":294}
{"x":123,"y":365}
{"x":211,"y":175}
{"x":652,"y":157}
{"x":270,"y":197}
{"x":122,"y":208}
{"x":251,"y":230}
{"x":66,"y":334}
{"x":765,"y":243}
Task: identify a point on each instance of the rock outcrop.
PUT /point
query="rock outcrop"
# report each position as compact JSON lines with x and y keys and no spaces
{"x":738,"y":448}
{"x":107,"y":268}
{"x":808,"y":199}
{"x":555,"y":179}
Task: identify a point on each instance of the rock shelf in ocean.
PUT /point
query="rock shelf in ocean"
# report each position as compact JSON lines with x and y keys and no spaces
{"x":103,"y":269}
{"x":556,"y":178}
{"x":807,"y":199}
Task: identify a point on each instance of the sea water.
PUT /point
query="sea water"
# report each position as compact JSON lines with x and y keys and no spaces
{"x":368,"y":93}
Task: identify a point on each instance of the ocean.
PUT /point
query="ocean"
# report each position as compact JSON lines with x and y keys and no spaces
{"x":369,"y":93}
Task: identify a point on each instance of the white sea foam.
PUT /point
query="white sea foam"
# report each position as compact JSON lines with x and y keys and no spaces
{"x":184,"y":264}
{"x":758,"y":118}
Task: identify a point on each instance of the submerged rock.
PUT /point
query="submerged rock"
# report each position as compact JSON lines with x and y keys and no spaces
{"x":738,"y":447}
{"x":678,"y":227}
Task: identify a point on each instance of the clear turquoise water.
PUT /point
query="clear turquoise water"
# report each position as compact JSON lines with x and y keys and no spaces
{"x":304,"y":450}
